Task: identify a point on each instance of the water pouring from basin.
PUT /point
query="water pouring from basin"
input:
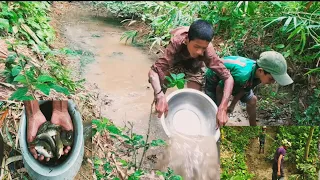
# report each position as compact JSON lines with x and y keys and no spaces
{"x":193,"y":149}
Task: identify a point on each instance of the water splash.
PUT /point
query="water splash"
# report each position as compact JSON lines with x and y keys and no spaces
{"x":192,"y":157}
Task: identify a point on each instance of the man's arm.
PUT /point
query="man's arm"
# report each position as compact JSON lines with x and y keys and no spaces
{"x":279,"y":162}
{"x":227,"y":90}
{"x":32,"y":107}
{"x":155,"y":83}
{"x":216,"y":64}
{"x":61,"y":106}
{"x":157,"y":76}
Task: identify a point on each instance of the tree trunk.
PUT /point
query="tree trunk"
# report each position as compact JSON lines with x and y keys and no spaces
{"x":306,"y":153}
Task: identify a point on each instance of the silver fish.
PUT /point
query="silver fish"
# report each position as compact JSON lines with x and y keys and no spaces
{"x":44,"y":149}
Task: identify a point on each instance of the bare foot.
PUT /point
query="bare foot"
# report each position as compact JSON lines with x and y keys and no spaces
{"x":61,"y":117}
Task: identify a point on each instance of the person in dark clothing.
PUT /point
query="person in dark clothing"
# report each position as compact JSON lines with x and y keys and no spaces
{"x":277,"y":168}
{"x":262,"y":139}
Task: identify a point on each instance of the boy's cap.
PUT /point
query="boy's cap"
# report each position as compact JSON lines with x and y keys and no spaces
{"x":274,"y":63}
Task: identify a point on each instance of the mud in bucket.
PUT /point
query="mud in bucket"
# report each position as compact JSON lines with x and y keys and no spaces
{"x":71,"y":164}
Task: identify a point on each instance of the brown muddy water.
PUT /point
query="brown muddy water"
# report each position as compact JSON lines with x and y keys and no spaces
{"x":120,"y":72}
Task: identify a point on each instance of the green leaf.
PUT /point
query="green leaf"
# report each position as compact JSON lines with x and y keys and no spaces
{"x":158,"y":142}
{"x":45,"y":78}
{"x":137,"y":137}
{"x":20,"y":78}
{"x":113,"y":129}
{"x":286,"y":23}
{"x":169,"y":79}
{"x":296,"y":31}
{"x":174,"y":76}
{"x":176,"y":177}
{"x":16,"y":70}
{"x":107,"y":167}
{"x":180,"y":76}
{"x":123,"y":162}
{"x":43,"y":88}
{"x":180,"y":84}
{"x":60,"y":89}
{"x":26,"y":98}
{"x":303,"y":40}
{"x":20,"y":92}
{"x":10,"y":59}
{"x":275,"y":20}
{"x":159,"y":173}
{"x":280,"y":46}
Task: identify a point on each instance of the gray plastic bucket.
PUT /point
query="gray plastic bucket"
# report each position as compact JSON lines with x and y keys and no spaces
{"x":67,"y":169}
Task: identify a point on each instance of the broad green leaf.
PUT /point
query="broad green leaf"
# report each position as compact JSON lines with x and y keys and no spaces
{"x":176,"y":177}
{"x":125,"y":136}
{"x":107,"y":167}
{"x":45,"y":78}
{"x":16,"y":70}
{"x":113,"y":129}
{"x":10,"y":59}
{"x":123,"y":162}
{"x":60,"y":89}
{"x":180,"y":76}
{"x":158,"y":142}
{"x":26,"y":98}
{"x":180,"y":84}
{"x":137,"y":137}
{"x":169,"y":79}
{"x":159,"y":173}
{"x":280,"y":46}
{"x":20,"y":78}
{"x":174,"y":76}
{"x":43,"y":88}
{"x":19,"y":93}
{"x":286,"y":54}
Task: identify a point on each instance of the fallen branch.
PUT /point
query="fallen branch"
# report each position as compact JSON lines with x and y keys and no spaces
{"x":145,"y":147}
{"x":121,"y":174}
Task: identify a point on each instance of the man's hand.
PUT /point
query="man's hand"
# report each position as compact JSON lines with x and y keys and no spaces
{"x":222,"y":117}
{"x":278,"y":173}
{"x":161,"y":105}
{"x":63,"y":119}
{"x":35,"y":120}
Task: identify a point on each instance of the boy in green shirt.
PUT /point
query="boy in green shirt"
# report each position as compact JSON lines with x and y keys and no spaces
{"x":262,"y":139}
{"x":247,"y":73}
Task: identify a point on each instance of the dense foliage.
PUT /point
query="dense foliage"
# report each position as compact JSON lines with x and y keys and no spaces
{"x":25,"y":26}
{"x":307,"y":165}
{"x":303,"y":154}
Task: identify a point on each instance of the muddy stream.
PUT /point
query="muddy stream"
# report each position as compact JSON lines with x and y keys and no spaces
{"x":118,"y":72}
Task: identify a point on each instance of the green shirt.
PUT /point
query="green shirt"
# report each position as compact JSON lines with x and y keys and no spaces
{"x":262,"y":136}
{"x":242,"y":70}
